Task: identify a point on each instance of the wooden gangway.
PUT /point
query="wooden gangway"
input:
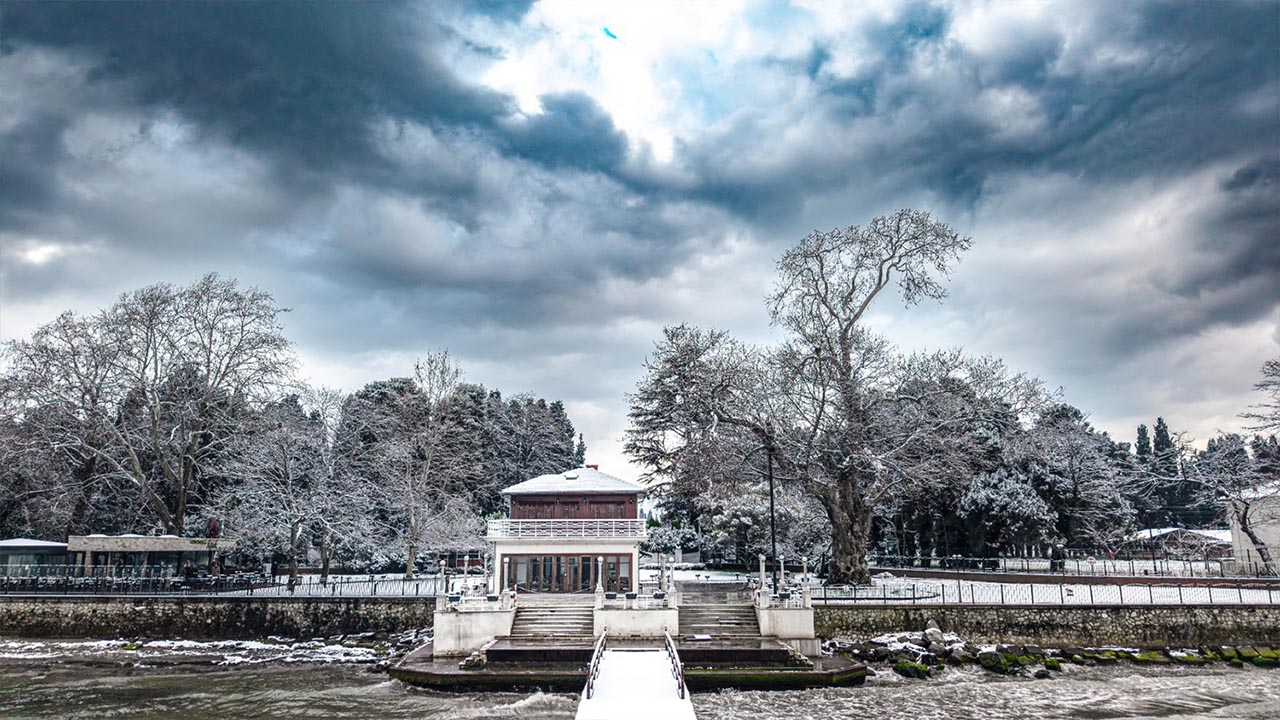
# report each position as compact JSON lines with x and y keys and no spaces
{"x":635,"y":683}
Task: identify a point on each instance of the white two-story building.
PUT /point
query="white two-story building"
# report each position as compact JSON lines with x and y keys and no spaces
{"x":569,"y":532}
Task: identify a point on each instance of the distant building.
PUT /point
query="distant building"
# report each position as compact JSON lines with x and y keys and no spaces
{"x":19,"y":552}
{"x":569,"y":531}
{"x":1184,"y":543}
{"x":130,"y":553}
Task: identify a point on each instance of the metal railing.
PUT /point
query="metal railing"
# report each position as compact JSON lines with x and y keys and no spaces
{"x":959,"y":592}
{"x":88,"y":571}
{"x":594,"y":670}
{"x":1100,"y":565}
{"x":617,"y":527}
{"x":249,"y":585}
{"x":677,"y":667}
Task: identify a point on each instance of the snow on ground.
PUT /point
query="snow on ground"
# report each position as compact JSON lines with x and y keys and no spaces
{"x":220,"y":652}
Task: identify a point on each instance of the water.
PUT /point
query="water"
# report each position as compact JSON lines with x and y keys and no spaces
{"x":88,"y":680}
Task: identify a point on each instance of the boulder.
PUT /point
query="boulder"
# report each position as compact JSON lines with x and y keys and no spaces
{"x":1043,"y":674}
{"x":933,"y":635}
{"x":911,"y":670}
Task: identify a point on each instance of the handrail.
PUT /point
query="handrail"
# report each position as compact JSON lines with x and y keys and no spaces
{"x":677,"y":667}
{"x":596,"y":655}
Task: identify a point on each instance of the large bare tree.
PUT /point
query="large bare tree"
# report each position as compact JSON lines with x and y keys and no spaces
{"x":149,"y":390}
{"x":840,"y":412}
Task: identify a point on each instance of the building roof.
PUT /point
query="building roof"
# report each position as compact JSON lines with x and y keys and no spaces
{"x":29,"y":544}
{"x":577,"y":481}
{"x":129,"y":542}
{"x":1216,"y":535}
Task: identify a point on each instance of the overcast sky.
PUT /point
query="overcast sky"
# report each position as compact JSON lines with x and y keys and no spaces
{"x":541,"y":189}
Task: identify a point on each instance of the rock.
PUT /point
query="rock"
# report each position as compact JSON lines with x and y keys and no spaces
{"x":1246,"y":652}
{"x":1052,"y":664}
{"x":933,"y":635}
{"x":1043,"y":674}
{"x":938,"y":649}
{"x":993,"y":661}
{"x":911,"y":670}
{"x":1032,"y":650}
{"x":1151,"y":657}
{"x":933,"y":624}
{"x":1077,"y":659}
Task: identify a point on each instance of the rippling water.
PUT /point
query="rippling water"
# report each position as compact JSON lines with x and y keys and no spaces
{"x":54,"y":688}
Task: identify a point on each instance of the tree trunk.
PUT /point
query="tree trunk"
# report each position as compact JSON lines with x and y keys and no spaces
{"x":293,"y":553}
{"x":1246,"y":526}
{"x":850,"y":529}
{"x":324,"y":556}
{"x":411,"y":558}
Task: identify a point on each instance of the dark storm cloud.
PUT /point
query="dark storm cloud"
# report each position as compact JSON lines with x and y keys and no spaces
{"x":299,"y":82}
{"x":572,"y":131}
{"x":915,"y":96}
{"x":32,"y":150}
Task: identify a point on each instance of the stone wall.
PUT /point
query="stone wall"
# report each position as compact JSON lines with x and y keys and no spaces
{"x":1150,"y":626}
{"x":208,"y":618}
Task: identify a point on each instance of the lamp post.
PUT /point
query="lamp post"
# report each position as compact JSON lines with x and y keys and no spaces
{"x":773,"y":526}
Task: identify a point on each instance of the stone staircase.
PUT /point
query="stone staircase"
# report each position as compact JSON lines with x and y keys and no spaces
{"x":719,"y":621}
{"x":550,"y":621}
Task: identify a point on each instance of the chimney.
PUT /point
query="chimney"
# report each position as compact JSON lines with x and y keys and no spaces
{"x":593,"y":467}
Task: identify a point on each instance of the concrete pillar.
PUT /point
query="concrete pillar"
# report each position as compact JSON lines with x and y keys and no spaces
{"x":762,"y":594}
{"x":600,"y":582}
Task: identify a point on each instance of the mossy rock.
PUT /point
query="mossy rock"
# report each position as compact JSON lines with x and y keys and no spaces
{"x":1150,"y":657}
{"x":994,"y":663}
{"x":1266,"y":652}
{"x":1228,"y":653}
{"x":911,"y":670}
{"x":1126,"y":655}
{"x":1010,"y":659}
{"x":1042,"y":674}
{"x":1246,"y":652}
{"x":1211,"y":656}
{"x":1077,"y":659}
{"x":1025,"y":660}
{"x":1053,"y":664}
{"x":1106,"y":658}
{"x":1265,"y":662}
{"x":1189,"y":659}
{"x":1236,"y":662}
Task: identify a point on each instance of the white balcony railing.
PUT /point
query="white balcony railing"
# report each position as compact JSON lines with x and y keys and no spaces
{"x":612,"y":528}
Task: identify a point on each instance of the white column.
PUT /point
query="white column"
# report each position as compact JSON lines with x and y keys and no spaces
{"x":599,"y":582}
{"x":763,"y":593}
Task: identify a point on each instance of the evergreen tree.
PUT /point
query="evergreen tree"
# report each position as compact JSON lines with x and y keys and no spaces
{"x":1144,"y":445}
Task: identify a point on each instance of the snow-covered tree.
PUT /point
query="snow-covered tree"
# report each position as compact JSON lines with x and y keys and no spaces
{"x":149,"y":391}
{"x":845,"y":417}
{"x":1266,"y":415}
{"x":1225,"y":474}
{"x":278,"y":463}
{"x":1002,"y":509}
{"x":1071,"y":467}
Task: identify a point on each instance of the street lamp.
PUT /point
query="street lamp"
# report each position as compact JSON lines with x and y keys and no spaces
{"x":773,"y":525}
{"x":773,"y":520}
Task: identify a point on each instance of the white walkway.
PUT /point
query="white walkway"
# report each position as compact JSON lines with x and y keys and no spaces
{"x":635,"y":685}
